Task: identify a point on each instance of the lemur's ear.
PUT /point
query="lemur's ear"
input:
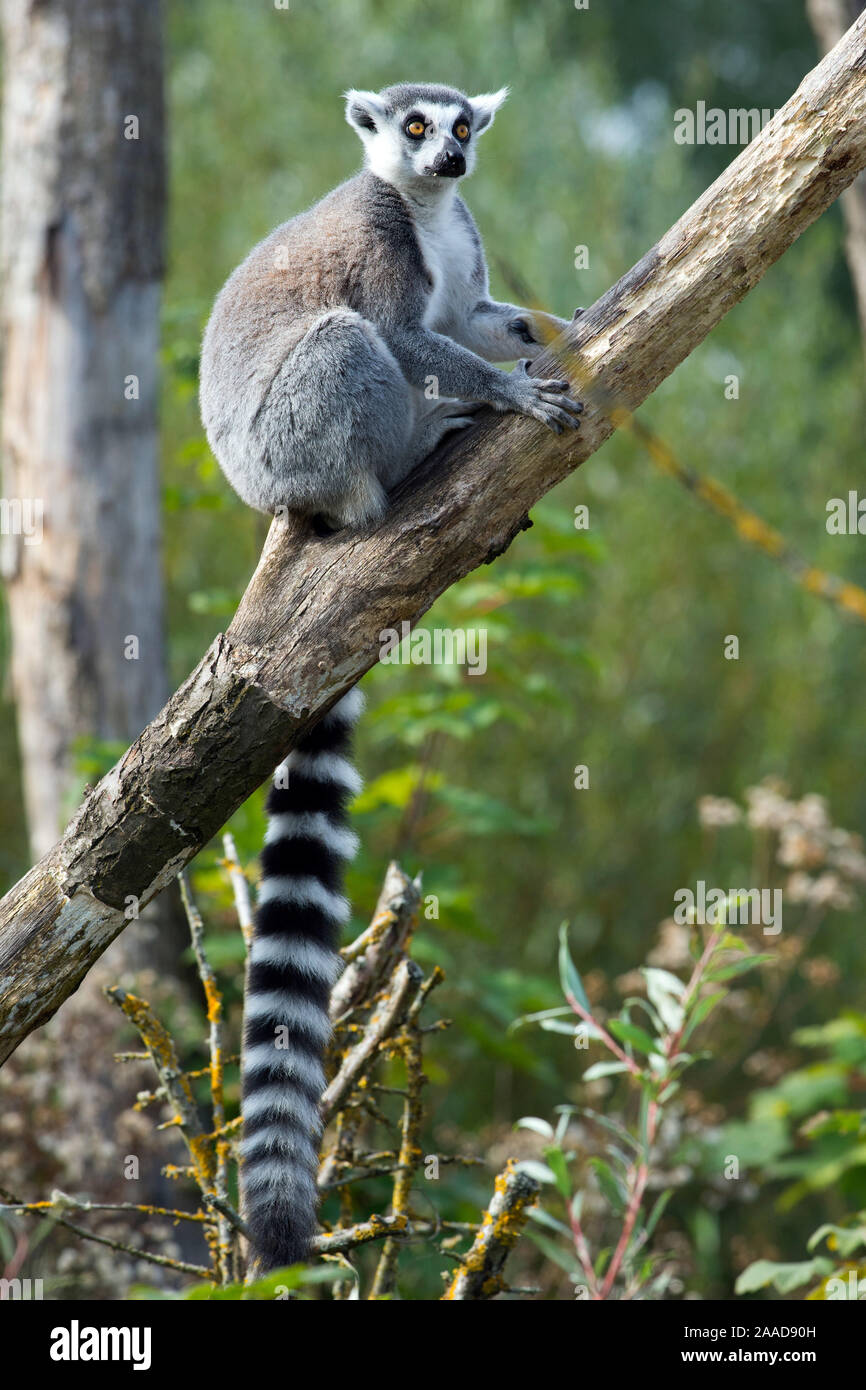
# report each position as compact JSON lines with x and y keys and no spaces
{"x":364,"y":110}
{"x":484,"y":108}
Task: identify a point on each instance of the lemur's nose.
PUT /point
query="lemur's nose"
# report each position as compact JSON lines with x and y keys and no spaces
{"x":451,"y":162}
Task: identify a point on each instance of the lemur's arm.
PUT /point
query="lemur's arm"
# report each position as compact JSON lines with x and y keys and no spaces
{"x":460,"y":372}
{"x":498,"y":332}
{"x":422,"y":354}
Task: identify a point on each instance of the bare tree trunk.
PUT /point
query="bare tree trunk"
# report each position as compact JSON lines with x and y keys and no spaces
{"x":311,"y":621}
{"x":82,"y":233}
{"x":81,"y":219}
{"x":829,"y":20}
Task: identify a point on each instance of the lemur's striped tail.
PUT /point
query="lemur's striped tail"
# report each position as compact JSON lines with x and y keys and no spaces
{"x":293,"y":964}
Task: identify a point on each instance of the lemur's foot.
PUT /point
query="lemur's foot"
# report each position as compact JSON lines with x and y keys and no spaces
{"x":451,"y":415}
{"x":545,"y":400}
{"x":452,"y":406}
{"x":577,"y":313}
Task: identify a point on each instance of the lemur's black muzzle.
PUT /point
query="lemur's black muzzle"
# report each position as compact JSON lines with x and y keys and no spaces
{"x":450,"y":163}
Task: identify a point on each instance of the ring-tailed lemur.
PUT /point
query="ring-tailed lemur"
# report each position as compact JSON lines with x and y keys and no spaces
{"x":318,"y":364}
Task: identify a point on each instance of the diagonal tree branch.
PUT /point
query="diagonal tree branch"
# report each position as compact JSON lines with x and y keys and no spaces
{"x":310,"y":621}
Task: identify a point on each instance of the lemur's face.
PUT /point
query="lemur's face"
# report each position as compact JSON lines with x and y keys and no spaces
{"x":416,"y":136}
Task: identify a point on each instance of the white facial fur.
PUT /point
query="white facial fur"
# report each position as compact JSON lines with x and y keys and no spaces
{"x":407,"y":164}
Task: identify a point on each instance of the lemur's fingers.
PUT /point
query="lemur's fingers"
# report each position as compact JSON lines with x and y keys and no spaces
{"x":556,"y":418}
{"x":566,"y":402}
{"x":460,"y":422}
{"x":577,"y":313}
{"x":547,"y":400}
{"x":554,"y":387}
{"x":551,"y":392}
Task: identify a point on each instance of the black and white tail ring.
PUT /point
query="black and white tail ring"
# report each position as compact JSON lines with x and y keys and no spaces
{"x":293,"y":965}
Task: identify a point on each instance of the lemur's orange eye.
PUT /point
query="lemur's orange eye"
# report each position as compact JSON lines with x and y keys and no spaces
{"x":415,"y":129}
{"x":461,"y":130}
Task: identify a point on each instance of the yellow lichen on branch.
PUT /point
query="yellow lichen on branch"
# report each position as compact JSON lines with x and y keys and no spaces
{"x":480,"y":1272}
{"x":377,"y":1025}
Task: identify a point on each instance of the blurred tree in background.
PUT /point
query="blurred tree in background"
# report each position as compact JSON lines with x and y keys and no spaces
{"x":605,"y":645}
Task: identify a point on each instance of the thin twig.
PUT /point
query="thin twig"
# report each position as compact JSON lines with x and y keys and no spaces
{"x":62,"y":1199}
{"x":370,"y":957}
{"x":224,"y":1206}
{"x":384,"y":1021}
{"x":165,"y":1261}
{"x":216,"y":1042}
{"x":240,"y":887}
{"x":409,"y":1158}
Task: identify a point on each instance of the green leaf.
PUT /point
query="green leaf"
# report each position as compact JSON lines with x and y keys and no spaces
{"x":657,"y":1211}
{"x":665,"y":992}
{"x":729,"y":942}
{"x":540,"y":1016}
{"x":783,"y":1277}
{"x":643,"y":1122}
{"x":623,"y":1158}
{"x":844,"y":1239}
{"x":534,"y":1123}
{"x":612,"y":1126}
{"x":737,"y":967}
{"x":611,"y":1187}
{"x":543,"y":1218}
{"x":556,"y":1159}
{"x":630,"y":1033}
{"x":664,"y":980}
{"x":568,"y":973}
{"x":273,"y":1286}
{"x":565,"y":1113}
{"x":701,"y":1012}
{"x":393,"y":789}
{"x":536,"y":1169}
{"x":601,"y":1261}
{"x":634,"y":1001}
{"x":559,"y":1255}
{"x":849,"y":1122}
{"x":599,"y":1069}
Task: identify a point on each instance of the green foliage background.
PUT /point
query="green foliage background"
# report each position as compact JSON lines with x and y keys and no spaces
{"x":605,"y":648}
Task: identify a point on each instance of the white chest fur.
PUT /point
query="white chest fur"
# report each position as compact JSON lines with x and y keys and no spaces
{"x":450,"y":256}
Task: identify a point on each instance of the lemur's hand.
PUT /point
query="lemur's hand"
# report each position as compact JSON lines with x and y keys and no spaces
{"x":577,"y":313}
{"x":544,"y":400}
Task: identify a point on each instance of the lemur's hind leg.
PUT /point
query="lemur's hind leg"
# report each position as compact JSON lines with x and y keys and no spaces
{"x":433,"y":424}
{"x":336,"y":422}
{"x":429,"y":430}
